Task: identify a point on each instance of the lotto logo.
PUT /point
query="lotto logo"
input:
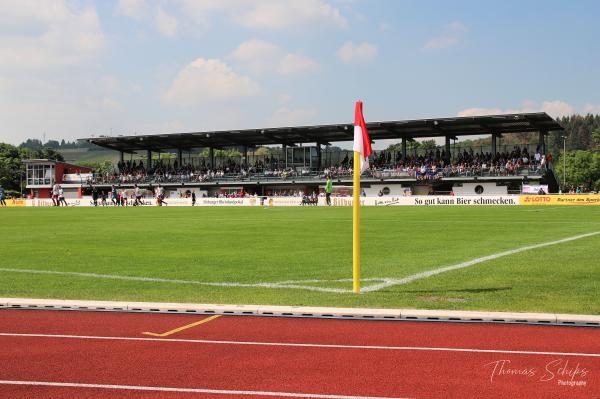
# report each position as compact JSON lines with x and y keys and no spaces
{"x":538,"y":199}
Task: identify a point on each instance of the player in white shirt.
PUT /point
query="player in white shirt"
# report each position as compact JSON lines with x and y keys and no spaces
{"x":160,"y":195}
{"x":61,"y":197}
{"x":124,"y":198}
{"x":55,"y":190}
{"x":138,"y":196}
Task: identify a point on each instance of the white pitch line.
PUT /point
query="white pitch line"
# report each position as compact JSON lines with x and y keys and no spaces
{"x":419,"y":276}
{"x":175,"y":281}
{"x":187,"y":390}
{"x":298,"y":284}
{"x":301,"y":345}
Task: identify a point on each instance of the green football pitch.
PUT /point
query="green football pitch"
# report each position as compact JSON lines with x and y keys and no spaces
{"x":543,"y":259}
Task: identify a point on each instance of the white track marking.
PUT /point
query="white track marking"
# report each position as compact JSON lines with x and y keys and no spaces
{"x":301,"y":284}
{"x":187,"y":390}
{"x":419,"y":276}
{"x":301,"y":345}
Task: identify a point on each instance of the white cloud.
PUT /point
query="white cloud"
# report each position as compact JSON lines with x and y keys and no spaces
{"x":207,"y":80}
{"x":265,"y":14}
{"x":46,"y":34}
{"x":283,"y":98}
{"x":131,"y":8}
{"x":110,"y":84}
{"x":592,"y":109}
{"x":285,"y":116}
{"x":453,"y":34}
{"x":166,"y":23}
{"x":228,"y":6}
{"x":277,"y":14}
{"x":257,"y":56}
{"x":111,"y":103}
{"x":359,"y":53}
{"x":67,"y":107}
{"x":484,"y":111}
{"x":293,"y":64}
{"x":557,"y":108}
{"x":197,"y":16}
{"x":554,"y":108}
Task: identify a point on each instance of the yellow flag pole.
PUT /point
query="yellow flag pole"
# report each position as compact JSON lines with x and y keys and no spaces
{"x":356,"y":225}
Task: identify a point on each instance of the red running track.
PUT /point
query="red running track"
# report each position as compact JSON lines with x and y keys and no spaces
{"x":71,"y":354}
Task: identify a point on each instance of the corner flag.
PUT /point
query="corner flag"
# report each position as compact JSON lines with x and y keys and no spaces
{"x":362,"y":141}
{"x":362,"y":151}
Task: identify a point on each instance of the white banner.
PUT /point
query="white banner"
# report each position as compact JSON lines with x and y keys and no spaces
{"x":417,"y":200}
{"x":449,"y":200}
{"x":535,"y":189}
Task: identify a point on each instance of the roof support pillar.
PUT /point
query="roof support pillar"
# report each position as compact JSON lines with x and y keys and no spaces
{"x":148,"y":160}
{"x":180,"y":157}
{"x":318,"y":156}
{"x":285,"y":154}
{"x":211,"y":155}
{"x":447,"y":159}
{"x":494,"y":140}
{"x":246,"y":155}
{"x":542,"y":141}
{"x":404,"y":148}
{"x":121,"y":156}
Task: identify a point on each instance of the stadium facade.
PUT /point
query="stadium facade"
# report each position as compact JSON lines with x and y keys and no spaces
{"x":305,"y":156}
{"x":42,"y":174}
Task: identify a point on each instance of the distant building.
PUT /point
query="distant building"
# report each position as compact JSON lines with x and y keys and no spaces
{"x":42,"y":174}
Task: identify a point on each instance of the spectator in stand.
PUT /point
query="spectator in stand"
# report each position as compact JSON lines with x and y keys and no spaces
{"x":430,"y":165}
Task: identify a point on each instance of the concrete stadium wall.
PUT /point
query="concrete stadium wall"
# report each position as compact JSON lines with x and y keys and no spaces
{"x":488,"y":189}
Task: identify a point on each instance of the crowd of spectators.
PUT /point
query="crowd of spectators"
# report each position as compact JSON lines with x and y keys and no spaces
{"x":430,"y":165}
{"x":434,"y":164}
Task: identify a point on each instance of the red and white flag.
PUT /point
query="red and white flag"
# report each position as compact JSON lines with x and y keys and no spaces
{"x":362,"y":141}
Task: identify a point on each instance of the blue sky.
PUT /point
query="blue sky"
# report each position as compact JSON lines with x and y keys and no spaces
{"x":72,"y":69}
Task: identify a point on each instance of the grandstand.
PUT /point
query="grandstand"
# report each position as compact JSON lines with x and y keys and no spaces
{"x":304,"y":158}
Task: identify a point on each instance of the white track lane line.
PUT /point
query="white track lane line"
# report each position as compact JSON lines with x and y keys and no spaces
{"x":302,"y":345}
{"x":186,"y":390}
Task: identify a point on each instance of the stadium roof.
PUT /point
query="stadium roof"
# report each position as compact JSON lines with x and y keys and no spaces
{"x":326,"y":134}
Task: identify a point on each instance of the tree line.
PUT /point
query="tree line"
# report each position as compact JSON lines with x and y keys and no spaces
{"x":11,"y":164}
{"x":36,"y":144}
